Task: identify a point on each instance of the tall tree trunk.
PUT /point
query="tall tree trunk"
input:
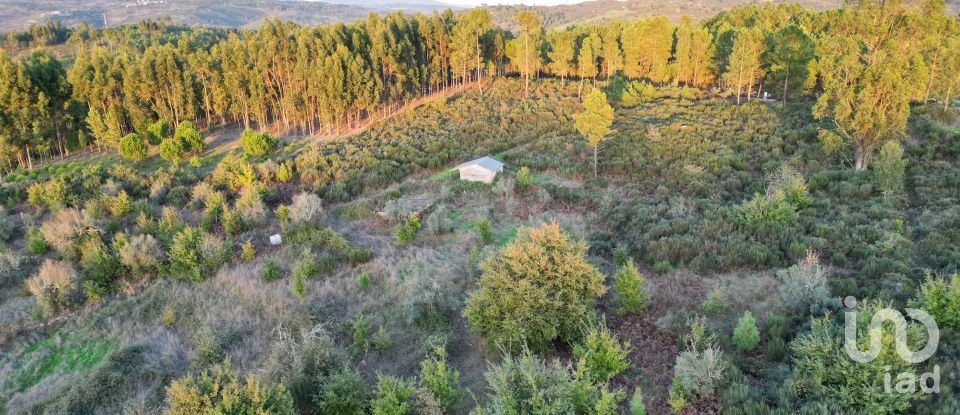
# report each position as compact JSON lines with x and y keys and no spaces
{"x":526,"y":64}
{"x":933,"y":74}
{"x":786,"y":78}
{"x":861,"y":158}
{"x":479,"y":68}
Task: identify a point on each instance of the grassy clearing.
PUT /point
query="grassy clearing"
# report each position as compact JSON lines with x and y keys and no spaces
{"x":60,"y":354}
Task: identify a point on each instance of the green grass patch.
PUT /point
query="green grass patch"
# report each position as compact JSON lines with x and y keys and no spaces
{"x":441,"y":175}
{"x":505,"y":235}
{"x":58,"y":353}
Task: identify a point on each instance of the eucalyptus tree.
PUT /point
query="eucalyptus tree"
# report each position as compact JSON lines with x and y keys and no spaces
{"x":530,"y":28}
{"x":866,"y":75}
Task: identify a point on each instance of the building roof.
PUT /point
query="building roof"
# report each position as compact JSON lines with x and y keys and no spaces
{"x":485,"y":162}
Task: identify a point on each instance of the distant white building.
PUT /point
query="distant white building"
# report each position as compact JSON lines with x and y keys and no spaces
{"x":483,"y":169}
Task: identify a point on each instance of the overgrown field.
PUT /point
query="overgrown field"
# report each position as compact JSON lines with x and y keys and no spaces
{"x":157,"y":274}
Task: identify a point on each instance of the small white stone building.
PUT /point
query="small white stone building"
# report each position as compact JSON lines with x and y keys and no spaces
{"x":483,"y":169}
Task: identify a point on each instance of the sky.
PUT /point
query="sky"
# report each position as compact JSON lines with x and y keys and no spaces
{"x":495,"y":2}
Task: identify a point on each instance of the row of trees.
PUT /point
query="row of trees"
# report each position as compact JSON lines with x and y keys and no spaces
{"x":866,"y":61}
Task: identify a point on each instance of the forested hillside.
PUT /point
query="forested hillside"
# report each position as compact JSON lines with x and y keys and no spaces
{"x":18,"y":14}
{"x":216,"y":220}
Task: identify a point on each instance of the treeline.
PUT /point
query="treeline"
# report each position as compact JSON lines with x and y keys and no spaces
{"x":865,"y":62}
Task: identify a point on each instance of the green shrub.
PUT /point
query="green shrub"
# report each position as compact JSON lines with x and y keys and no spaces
{"x":746,"y":335}
{"x":636,"y":403}
{"x":484,"y":231}
{"x":121,"y":205}
{"x":133,"y":148}
{"x":525,"y":384}
{"x":440,"y":380}
{"x":172,"y":151}
{"x":51,"y":194}
{"x":257,"y":144}
{"x":185,"y":256}
{"x":157,"y":132}
{"x":940,"y":297}
{"x":298,"y":284}
{"x":306,"y":267}
{"x":381,"y":341}
{"x":715,"y":303}
{"x":36,"y":245}
{"x":628,"y":290}
{"x":284,"y":172}
{"x":763,"y":213}
{"x":344,"y":393}
{"x":407,"y":229}
{"x":534,"y":290}
{"x":602,"y":354}
{"x":394,"y":396}
{"x":363,"y":281}
{"x":220,"y":391}
{"x":889,"y":166}
{"x":361,"y":335}
{"x":189,"y":138}
{"x":247,"y":253}
{"x":271,"y":271}
{"x":524,"y":179}
{"x":775,"y":349}
{"x":829,"y":375}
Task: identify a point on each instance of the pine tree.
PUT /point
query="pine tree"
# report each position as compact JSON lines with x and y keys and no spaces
{"x":529,"y":22}
{"x":743,"y":69}
{"x":595,"y":121}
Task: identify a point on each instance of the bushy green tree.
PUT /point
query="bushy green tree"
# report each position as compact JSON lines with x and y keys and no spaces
{"x":595,"y":121}
{"x":157,"y":132}
{"x":889,"y":166}
{"x":185,"y":256}
{"x":172,"y":150}
{"x":602,"y":354}
{"x":534,"y":290}
{"x":825,"y":369}
{"x":394,"y":396}
{"x":636,"y":403}
{"x":257,"y":144}
{"x":442,"y":381}
{"x":189,"y":138}
{"x":132,"y":147}
{"x":219,"y":391}
{"x":629,"y":291}
{"x":407,"y":229}
{"x":524,"y":179}
{"x":344,"y":392}
{"x":940,"y":297}
{"x":746,"y":335}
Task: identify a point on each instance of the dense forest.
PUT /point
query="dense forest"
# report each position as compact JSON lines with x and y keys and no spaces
{"x":866,"y":63}
{"x":212,"y":220}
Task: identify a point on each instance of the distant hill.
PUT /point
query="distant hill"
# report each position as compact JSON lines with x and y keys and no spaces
{"x":18,"y":14}
{"x":605,"y":10}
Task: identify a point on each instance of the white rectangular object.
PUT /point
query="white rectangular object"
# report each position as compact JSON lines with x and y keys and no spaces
{"x":275,"y":239}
